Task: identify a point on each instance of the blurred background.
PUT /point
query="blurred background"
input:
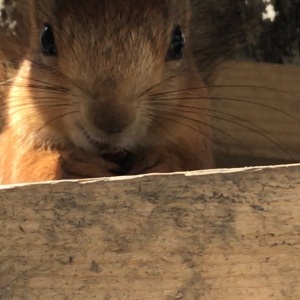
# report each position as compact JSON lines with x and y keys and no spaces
{"x":248,"y":52}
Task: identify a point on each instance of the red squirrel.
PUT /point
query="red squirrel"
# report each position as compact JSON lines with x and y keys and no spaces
{"x":105,"y":83}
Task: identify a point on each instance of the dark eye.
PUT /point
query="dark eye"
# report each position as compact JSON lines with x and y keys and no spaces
{"x":177,"y":45}
{"x":48,"y":42}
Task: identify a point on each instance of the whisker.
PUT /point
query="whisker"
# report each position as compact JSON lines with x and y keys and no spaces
{"x":236,"y":100}
{"x":6,"y":82}
{"x":260,"y":131}
{"x":37,"y":102}
{"x":42,"y":108}
{"x":58,"y":87}
{"x":154,"y":120}
{"x":19,"y":108}
{"x":56,"y":118}
{"x":199,"y":122}
{"x":198,"y":131}
{"x":33,"y":113}
{"x":165,"y":80}
{"x":43,"y":88}
{"x":46,"y":67}
{"x":43,"y":98}
{"x":227,"y":86}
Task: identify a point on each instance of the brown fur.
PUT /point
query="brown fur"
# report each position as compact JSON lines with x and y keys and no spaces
{"x":109,"y":73}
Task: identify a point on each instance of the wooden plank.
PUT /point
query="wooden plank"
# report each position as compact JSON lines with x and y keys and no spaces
{"x":221,"y":235}
{"x":264,"y":103}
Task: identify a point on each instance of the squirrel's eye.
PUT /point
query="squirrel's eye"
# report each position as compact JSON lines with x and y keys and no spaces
{"x":177,"y":44}
{"x":48,"y":42}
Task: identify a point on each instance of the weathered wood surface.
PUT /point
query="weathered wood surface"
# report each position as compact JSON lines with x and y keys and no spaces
{"x":215,"y":235}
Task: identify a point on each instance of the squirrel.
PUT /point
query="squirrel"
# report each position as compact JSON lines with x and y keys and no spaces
{"x":105,"y":88}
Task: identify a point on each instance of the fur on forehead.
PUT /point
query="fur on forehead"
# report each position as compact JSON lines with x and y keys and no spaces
{"x":133,"y":11}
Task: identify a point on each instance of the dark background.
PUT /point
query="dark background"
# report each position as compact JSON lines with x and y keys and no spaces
{"x":234,"y":29}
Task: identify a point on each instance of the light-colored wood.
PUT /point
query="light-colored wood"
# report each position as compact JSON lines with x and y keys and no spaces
{"x":264,"y":103}
{"x":213,"y":235}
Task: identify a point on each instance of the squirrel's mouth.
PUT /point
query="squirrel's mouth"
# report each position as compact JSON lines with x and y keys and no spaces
{"x":99,"y":145}
{"x":109,"y":152}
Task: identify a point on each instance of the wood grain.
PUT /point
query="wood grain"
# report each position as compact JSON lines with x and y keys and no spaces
{"x":258,"y":109}
{"x":215,"y":235}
